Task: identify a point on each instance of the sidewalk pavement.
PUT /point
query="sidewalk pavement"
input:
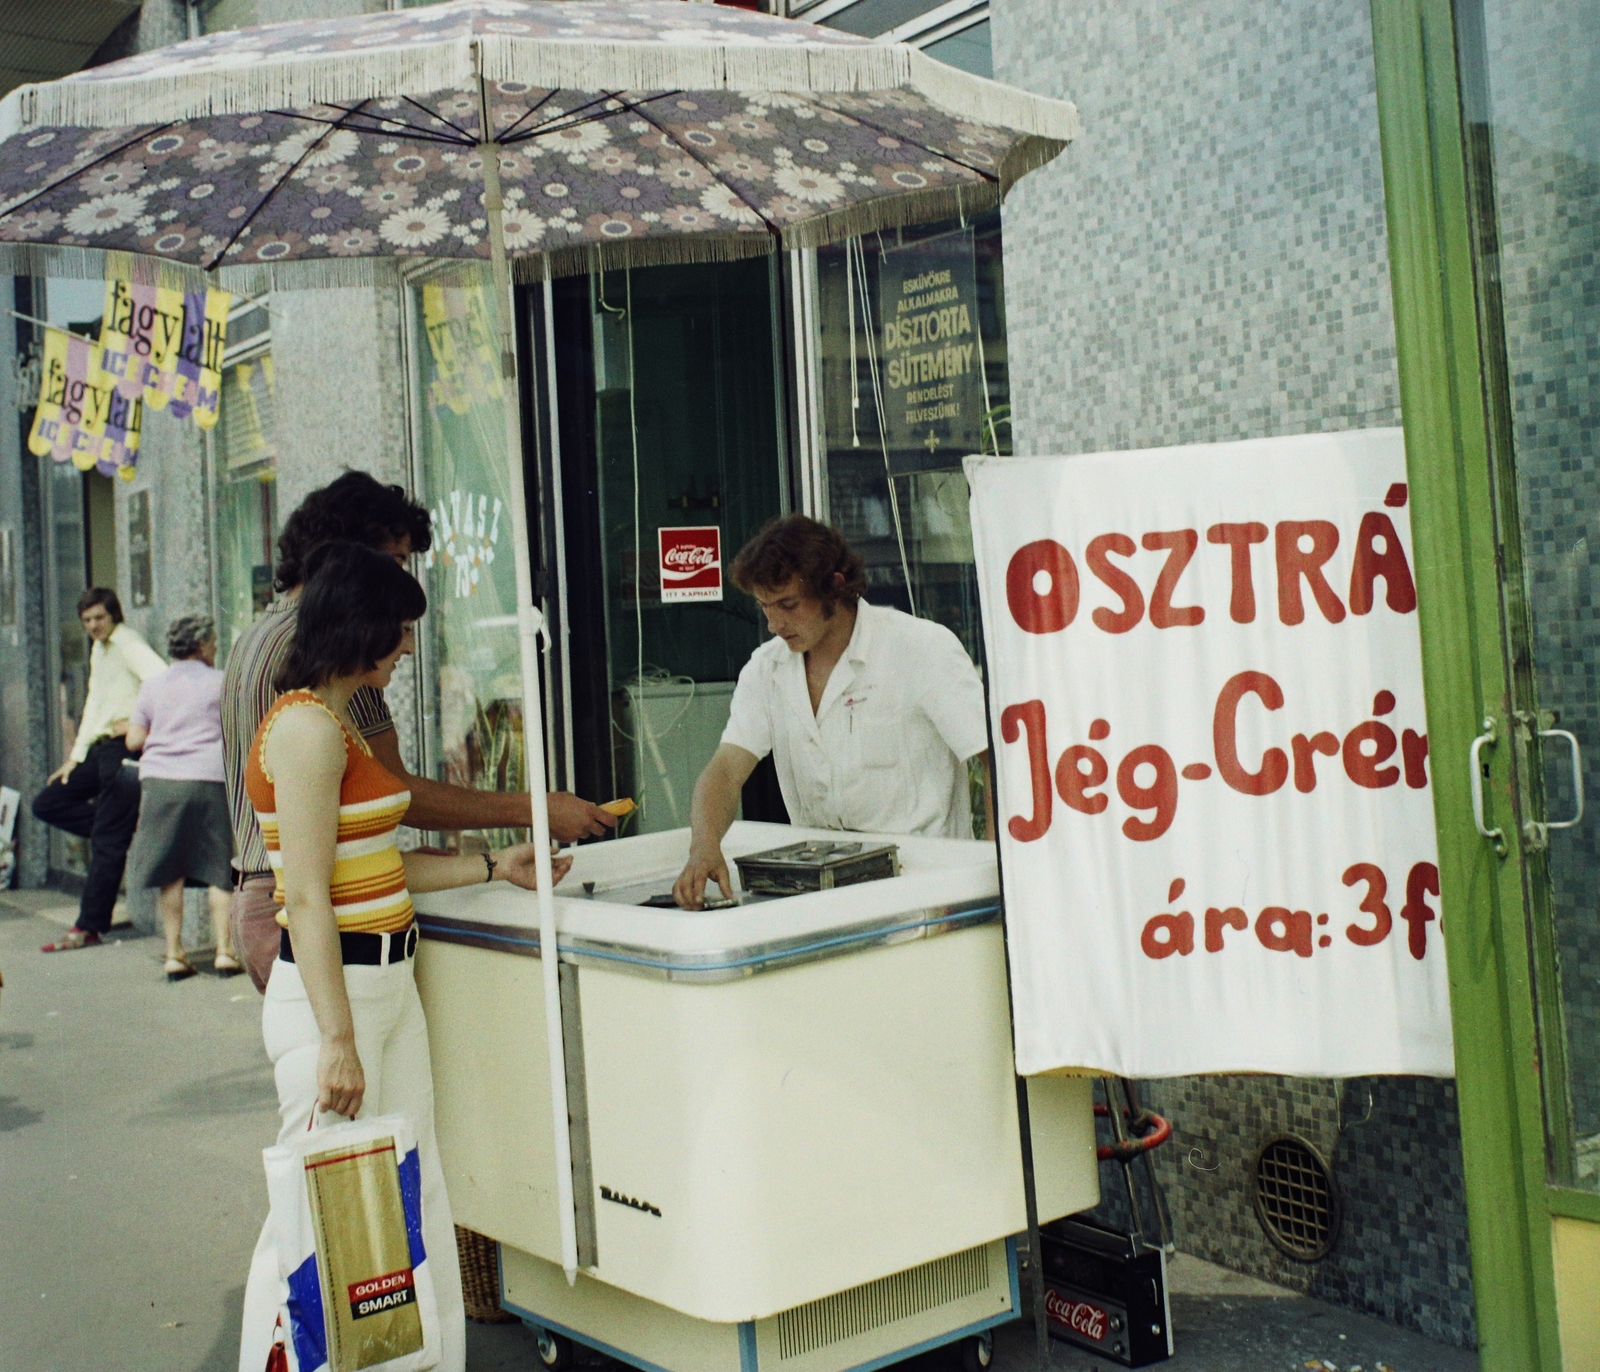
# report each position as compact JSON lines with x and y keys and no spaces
{"x":132,"y":1117}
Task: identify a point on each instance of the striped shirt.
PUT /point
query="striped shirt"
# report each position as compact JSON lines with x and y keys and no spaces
{"x":369,"y":876}
{"x":247,"y":695}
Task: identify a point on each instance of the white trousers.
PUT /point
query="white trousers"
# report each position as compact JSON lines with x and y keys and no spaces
{"x":392,"y":1041}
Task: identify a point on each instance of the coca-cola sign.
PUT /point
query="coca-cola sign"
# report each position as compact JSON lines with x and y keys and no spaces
{"x":1084,"y":1318}
{"x":691,"y":563}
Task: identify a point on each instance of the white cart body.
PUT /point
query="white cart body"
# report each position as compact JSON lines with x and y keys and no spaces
{"x":794,"y":1122}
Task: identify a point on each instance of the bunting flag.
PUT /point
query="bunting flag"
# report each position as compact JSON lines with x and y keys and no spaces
{"x":189,"y":379}
{"x":139,"y":334}
{"x":82,"y":416}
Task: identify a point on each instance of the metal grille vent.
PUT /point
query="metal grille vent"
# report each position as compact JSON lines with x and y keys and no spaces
{"x":1295,"y":1198}
{"x":881,"y":1302}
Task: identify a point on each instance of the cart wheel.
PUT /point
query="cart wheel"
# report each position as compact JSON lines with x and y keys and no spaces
{"x":977,"y":1352}
{"x":555,"y":1351}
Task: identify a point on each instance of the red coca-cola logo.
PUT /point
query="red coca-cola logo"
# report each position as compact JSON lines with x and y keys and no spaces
{"x":1080,"y":1316}
{"x":691,"y":563}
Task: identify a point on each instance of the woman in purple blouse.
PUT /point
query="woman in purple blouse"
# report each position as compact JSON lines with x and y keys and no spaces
{"x":184,"y":837}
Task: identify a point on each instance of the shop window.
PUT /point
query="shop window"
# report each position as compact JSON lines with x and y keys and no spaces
{"x":244,"y":469}
{"x":471,"y":674}
{"x":912,"y":343}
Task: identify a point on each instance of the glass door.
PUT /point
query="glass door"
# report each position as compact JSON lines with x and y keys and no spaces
{"x":1531,"y":102}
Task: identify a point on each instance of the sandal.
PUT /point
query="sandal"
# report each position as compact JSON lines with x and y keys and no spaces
{"x":73,"y":938}
{"x":226,"y":966}
{"x":180,"y":969}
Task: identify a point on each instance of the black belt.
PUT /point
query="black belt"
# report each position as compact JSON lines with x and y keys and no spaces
{"x":363,"y":950}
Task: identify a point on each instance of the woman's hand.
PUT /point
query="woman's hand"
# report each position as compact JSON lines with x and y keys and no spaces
{"x":516,"y":865}
{"x":341,"y":1083}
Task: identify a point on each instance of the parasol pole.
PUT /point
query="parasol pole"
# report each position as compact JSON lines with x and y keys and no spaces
{"x":529,"y":622}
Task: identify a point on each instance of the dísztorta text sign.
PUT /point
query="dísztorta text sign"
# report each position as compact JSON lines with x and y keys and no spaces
{"x":1216,"y":828}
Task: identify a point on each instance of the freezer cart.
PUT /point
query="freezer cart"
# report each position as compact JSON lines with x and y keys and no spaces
{"x":793,"y":1121}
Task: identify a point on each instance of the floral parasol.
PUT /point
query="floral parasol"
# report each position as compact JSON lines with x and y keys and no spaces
{"x":628,"y":131}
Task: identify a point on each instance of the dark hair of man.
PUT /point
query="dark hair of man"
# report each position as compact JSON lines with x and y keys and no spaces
{"x":353,"y":508}
{"x":101,"y":595}
{"x":797,"y":546}
{"x":352,"y":612}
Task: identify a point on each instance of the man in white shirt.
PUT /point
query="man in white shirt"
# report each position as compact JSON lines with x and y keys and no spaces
{"x":92,"y":794}
{"x":870,"y":715}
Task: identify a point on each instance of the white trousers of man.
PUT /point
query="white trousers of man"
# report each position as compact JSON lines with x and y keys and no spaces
{"x":392,"y":1041}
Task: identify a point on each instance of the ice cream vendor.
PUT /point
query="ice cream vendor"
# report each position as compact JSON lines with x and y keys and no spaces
{"x":870,"y":715}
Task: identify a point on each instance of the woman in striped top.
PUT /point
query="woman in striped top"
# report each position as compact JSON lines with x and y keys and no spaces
{"x":342,"y":1020}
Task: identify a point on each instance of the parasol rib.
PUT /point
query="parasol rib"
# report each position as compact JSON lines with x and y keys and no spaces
{"x":249,"y":219}
{"x":434,"y":114}
{"x":79,"y":171}
{"x":906,"y":138}
{"x":744,"y":200}
{"x":418,"y":135}
{"x":549,"y":95}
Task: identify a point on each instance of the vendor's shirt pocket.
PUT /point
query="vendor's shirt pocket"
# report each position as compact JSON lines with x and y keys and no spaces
{"x":877,"y":729}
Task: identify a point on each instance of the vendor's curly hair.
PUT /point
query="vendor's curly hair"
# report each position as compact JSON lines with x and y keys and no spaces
{"x":353,"y":508}
{"x":187,"y":635}
{"x":797,"y":546}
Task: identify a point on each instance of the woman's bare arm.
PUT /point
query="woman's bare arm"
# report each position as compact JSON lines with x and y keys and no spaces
{"x":305,"y":756}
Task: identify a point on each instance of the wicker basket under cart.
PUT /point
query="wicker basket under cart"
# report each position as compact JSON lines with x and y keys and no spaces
{"x":480,"y":1277}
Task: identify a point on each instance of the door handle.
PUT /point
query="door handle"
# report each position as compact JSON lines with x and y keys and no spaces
{"x":1474,"y":755}
{"x":1577,"y":777}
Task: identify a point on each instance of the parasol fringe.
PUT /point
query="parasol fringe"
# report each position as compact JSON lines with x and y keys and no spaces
{"x":422,"y":69}
{"x":97,"y":264}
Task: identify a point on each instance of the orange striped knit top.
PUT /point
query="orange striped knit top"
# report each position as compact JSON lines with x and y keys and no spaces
{"x":369,"y":879}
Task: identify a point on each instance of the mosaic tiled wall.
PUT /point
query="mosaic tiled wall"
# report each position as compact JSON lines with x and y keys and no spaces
{"x":1209,"y":262}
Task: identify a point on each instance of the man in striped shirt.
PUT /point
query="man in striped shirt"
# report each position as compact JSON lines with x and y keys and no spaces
{"x":357,"y":508}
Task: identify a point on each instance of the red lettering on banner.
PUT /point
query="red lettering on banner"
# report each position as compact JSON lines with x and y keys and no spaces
{"x":1177,"y":935}
{"x":1414,"y":751}
{"x":1422,"y":880}
{"x":1295,"y":563}
{"x":1305,"y":751}
{"x":1372,"y":903}
{"x":1362,"y":768}
{"x":1161,"y":795}
{"x":1030,"y":716}
{"x":1225,"y":735}
{"x":1042,"y":587}
{"x":1073,"y":782}
{"x":1117,"y":580}
{"x":1218,"y":920}
{"x":1180,"y":545}
{"x":1389,"y":562}
{"x":1238,"y":538}
{"x":1285,"y":931}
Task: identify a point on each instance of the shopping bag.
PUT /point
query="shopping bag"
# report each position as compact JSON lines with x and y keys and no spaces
{"x":347,"y":1226}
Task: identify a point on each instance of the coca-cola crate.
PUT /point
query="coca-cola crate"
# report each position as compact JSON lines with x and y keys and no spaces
{"x":1105,"y":1294}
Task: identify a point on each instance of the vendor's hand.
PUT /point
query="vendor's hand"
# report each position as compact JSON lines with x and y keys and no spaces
{"x":61,"y":773}
{"x":118,"y":728}
{"x":516,"y":865}
{"x":341,"y":1083}
{"x":572,"y":818}
{"x":690,"y":889}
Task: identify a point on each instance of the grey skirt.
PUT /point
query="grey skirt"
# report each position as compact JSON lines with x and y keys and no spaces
{"x":184,"y":834}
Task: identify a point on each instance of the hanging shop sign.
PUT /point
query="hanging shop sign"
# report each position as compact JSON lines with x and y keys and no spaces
{"x":462,"y":343}
{"x":1206,"y":686}
{"x":157,"y":346}
{"x":82,"y":417}
{"x":691,"y":564}
{"x":932,"y":353}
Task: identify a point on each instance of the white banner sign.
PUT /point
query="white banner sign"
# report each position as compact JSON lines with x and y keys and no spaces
{"x":1216,"y":826}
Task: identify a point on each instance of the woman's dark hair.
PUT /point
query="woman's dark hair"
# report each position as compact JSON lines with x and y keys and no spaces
{"x":353,"y":508}
{"x":796,"y":546}
{"x":353,"y":610}
{"x":100,"y":595}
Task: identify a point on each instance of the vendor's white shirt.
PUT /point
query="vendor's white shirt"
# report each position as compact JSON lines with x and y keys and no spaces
{"x":886,"y":750}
